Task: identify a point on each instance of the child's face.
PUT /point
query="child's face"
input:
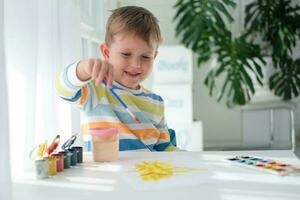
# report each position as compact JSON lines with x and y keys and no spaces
{"x":131,"y":57}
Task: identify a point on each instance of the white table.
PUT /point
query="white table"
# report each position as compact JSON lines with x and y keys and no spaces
{"x":228,"y":181}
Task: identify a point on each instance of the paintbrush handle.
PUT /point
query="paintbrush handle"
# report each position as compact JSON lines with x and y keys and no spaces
{"x":115,"y":95}
{"x":118,"y":98}
{"x":121,"y":102}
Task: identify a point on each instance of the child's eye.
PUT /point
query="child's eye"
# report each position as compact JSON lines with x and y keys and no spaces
{"x":146,"y":57}
{"x":126,"y":54}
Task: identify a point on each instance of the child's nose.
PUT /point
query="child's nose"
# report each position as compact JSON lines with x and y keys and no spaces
{"x":136,"y":63}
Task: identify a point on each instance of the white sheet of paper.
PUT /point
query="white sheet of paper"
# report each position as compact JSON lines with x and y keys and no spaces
{"x":199,"y":176}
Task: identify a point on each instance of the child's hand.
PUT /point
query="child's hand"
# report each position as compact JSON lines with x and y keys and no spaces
{"x":95,"y":69}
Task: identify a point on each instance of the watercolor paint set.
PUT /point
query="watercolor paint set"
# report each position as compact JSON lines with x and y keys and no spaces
{"x":267,"y":165}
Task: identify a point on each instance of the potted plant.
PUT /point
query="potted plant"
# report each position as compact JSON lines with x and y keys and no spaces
{"x":271,"y":28}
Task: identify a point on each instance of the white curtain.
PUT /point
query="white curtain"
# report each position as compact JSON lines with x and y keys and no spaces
{"x":41,"y":38}
{"x":5,"y":183}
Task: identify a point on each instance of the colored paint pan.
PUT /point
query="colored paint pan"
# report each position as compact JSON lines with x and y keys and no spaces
{"x":233,"y":159}
{"x":255,"y":159}
{"x":250,"y":162}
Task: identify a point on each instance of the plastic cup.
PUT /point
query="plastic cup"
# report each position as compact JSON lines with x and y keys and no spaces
{"x":105,"y":144}
{"x":41,"y":169}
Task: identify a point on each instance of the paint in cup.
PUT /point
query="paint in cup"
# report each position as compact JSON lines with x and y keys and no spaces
{"x":67,"y":158}
{"x":52,"y":169}
{"x":73,"y":151}
{"x":41,"y":169}
{"x":105,"y":144}
{"x":79,"y":154}
{"x":59,"y":161}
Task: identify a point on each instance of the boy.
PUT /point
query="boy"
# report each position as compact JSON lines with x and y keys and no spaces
{"x":131,"y":42}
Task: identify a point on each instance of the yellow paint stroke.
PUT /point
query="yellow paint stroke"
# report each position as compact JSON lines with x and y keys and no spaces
{"x":155,"y":171}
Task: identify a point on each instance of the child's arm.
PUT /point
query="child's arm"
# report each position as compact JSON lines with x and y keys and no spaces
{"x":164,"y":142}
{"x":74,"y":83}
{"x":95,"y":69}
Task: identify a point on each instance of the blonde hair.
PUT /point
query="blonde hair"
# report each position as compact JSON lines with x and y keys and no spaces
{"x":133,"y":19}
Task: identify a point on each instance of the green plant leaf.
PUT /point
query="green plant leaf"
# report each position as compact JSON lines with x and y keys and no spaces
{"x":201,"y":25}
{"x":286,"y":82}
{"x":222,"y":92}
{"x":220,"y":6}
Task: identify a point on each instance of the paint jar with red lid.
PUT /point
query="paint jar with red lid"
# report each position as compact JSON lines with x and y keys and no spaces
{"x":59,"y":161}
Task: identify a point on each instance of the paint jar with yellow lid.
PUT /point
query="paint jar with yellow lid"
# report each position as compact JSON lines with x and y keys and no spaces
{"x":52,"y":167}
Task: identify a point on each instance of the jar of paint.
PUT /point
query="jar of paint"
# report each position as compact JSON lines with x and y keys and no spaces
{"x":41,"y":169}
{"x":52,"y":169}
{"x":79,"y":154}
{"x":59,"y":161}
{"x":67,"y":158}
{"x":73,"y":151}
{"x":105,"y":144}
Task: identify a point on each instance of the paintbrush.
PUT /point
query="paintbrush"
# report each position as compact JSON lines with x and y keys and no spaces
{"x":125,"y":106}
{"x":121,"y":102}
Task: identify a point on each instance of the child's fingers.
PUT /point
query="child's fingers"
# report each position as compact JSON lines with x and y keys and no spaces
{"x":96,"y":69}
{"x":102,"y":73}
{"x":88,"y":66}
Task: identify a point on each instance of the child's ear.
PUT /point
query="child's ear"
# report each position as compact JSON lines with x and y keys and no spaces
{"x":104,"y":50}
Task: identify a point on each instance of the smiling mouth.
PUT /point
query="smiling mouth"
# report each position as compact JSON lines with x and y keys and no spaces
{"x":132,"y":74}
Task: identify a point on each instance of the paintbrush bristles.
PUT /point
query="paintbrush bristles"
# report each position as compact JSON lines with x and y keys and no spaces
{"x":133,"y":116}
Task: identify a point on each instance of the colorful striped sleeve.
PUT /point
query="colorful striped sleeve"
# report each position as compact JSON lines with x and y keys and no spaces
{"x":164,"y":142}
{"x":72,"y":90}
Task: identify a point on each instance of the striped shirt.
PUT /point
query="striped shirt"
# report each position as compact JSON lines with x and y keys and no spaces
{"x":100,"y":109}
